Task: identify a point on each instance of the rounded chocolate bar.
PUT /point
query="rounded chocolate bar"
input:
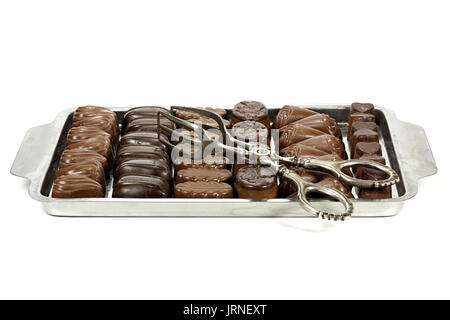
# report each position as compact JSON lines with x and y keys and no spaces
{"x":143,"y":138}
{"x":202,"y":189}
{"x":141,"y":187}
{"x":256,"y":182}
{"x":251,"y":110}
{"x":89,"y":168}
{"x":99,"y":144}
{"x":75,"y":156}
{"x":142,"y":112}
{"x":149,"y":125}
{"x":250,"y":131}
{"x":204,"y":175}
{"x":295,"y":132}
{"x":105,"y":123}
{"x":77,"y":134}
{"x":143,"y":167}
{"x":129,"y":152}
{"x":76,"y":186}
{"x":210,"y":161}
{"x":362,"y":108}
{"x":92,"y":111}
{"x":289,"y":114}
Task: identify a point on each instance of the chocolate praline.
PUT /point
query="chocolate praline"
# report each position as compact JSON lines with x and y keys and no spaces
{"x":362,"y":108}
{"x":143,"y":167}
{"x":256,"y":182}
{"x":289,"y":114}
{"x":250,"y":131}
{"x":251,"y":110}
{"x":295,"y":132}
{"x":141,"y":187}
{"x":99,"y":144}
{"x":70,"y":157}
{"x":76,"y":186}
{"x":89,"y":168}
{"x":203,"y":174}
{"x":322,"y":122}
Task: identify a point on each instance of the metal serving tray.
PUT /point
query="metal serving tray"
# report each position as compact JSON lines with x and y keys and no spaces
{"x":405,"y":147}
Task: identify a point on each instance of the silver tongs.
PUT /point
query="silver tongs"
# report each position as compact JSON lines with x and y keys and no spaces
{"x":264,"y":156}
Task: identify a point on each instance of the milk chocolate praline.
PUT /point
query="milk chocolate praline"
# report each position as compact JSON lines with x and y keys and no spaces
{"x":327,"y":143}
{"x":250,"y":131}
{"x":295,"y":132}
{"x":131,"y":186}
{"x":142,"y":112}
{"x":105,"y":123}
{"x":77,"y":134}
{"x":363,"y":135}
{"x":256,"y":182}
{"x":99,"y":144}
{"x":368,"y":148}
{"x":362,"y":108}
{"x":82,"y":113}
{"x":76,"y":186}
{"x":201,"y":189}
{"x":70,"y":157}
{"x":322,"y":122}
{"x":251,"y":110}
{"x":90,"y":168}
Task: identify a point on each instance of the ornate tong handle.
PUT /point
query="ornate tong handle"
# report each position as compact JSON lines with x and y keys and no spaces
{"x":336,"y":169}
{"x":304,"y":188}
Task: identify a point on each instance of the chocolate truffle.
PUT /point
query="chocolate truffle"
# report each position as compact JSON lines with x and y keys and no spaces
{"x":322,"y":122}
{"x":143,"y":167}
{"x":202,"y":189}
{"x":326,"y":143}
{"x":75,"y":156}
{"x":256,"y":182}
{"x":204,"y":175}
{"x":99,"y":144}
{"x":299,"y":150}
{"x":90,"y":168}
{"x":363,"y":135}
{"x":362,"y":108}
{"x":251,"y":110}
{"x":361,"y":125}
{"x":368,"y":148}
{"x":289,"y":114}
{"x":76,"y":186}
{"x":295,"y":132}
{"x":250,"y":131}
{"x":365,"y":117}
{"x":141,"y":187}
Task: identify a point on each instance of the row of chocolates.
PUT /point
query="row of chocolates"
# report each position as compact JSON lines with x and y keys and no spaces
{"x":88,"y":155}
{"x":364,"y":144}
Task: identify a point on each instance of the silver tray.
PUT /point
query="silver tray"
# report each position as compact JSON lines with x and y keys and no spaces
{"x":405,"y":148}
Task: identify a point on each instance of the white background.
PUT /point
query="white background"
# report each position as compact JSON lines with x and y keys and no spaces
{"x":56,"y":55}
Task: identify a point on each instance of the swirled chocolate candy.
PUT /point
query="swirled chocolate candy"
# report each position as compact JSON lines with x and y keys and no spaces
{"x":295,"y":132}
{"x":204,"y":175}
{"x":77,"y":134}
{"x":89,"y":168}
{"x":92,"y":111}
{"x":322,"y":122}
{"x":141,"y":112}
{"x":76,"y":186}
{"x":251,"y":110}
{"x":203,"y":190}
{"x":250,"y":131}
{"x":100,"y":144}
{"x":76,"y":156}
{"x":299,"y":150}
{"x":327,"y":143}
{"x":210,"y":161}
{"x":256,"y":182}
{"x":363,"y":135}
{"x":289,"y":114}
{"x":143,"y":167}
{"x":105,"y":123}
{"x":367,"y":148}
{"x":130,"y":152}
{"x":142,"y":138}
{"x":362,"y":108}
{"x":141,"y":187}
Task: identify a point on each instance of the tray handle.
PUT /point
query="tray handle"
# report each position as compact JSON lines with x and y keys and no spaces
{"x":415,"y":155}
